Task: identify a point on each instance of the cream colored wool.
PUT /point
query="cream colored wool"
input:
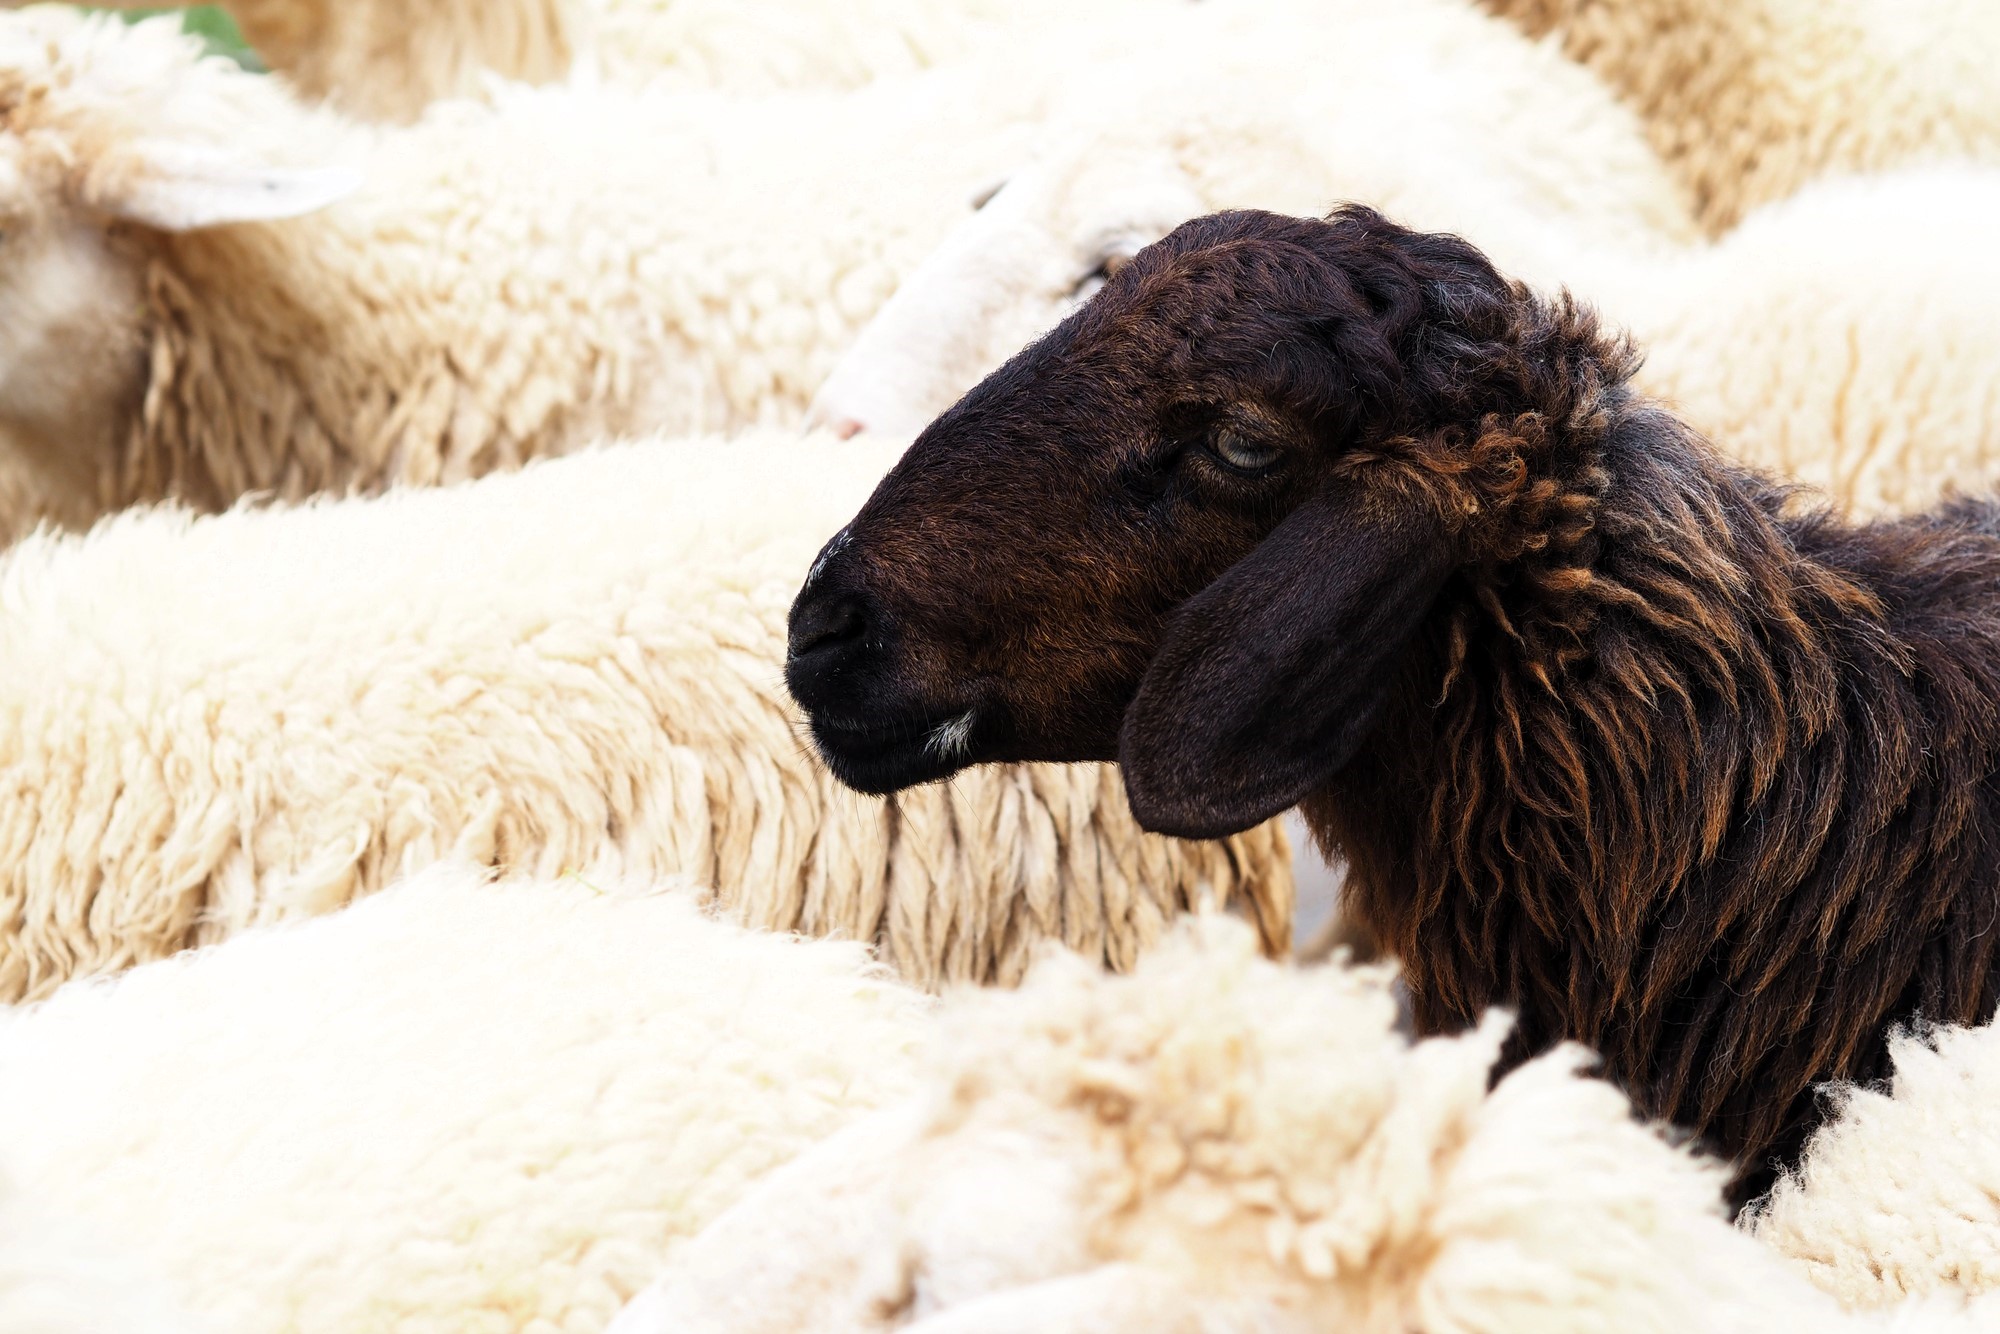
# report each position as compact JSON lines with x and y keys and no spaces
{"x":214,"y":722}
{"x":778,"y":44}
{"x":1751,"y":99}
{"x":1426,"y":109}
{"x":1846,"y":337}
{"x":54,"y":1279}
{"x":458,"y":1107}
{"x":1218,"y":1143}
{"x":1900,"y":1193}
{"x":511,"y":281}
{"x":389,"y":59}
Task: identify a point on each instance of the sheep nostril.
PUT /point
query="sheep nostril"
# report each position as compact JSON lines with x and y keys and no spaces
{"x":845,"y":428}
{"x":826,"y":623}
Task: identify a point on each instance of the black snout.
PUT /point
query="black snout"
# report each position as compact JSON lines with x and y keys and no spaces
{"x":828,"y":633}
{"x":832,"y":656}
{"x":826,"y":626}
{"x":876,"y":729}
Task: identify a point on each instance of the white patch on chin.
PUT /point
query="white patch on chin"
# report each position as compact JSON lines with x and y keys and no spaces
{"x":950,"y":740}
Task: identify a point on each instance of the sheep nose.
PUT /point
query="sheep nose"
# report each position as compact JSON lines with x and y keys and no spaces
{"x":825,"y":625}
{"x":845,"y":428}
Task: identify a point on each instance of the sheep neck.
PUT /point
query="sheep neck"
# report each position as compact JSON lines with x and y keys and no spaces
{"x":1692,"y":775}
{"x":259,"y":379}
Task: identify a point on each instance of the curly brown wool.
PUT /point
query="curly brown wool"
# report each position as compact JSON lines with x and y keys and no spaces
{"x":1609,"y":729}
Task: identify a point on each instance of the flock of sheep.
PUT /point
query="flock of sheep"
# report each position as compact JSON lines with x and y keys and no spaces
{"x":633,"y":1022}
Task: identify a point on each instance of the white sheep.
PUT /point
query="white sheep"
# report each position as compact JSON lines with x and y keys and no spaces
{"x":1900,"y":1192}
{"x":210,"y":722}
{"x":459,"y":1106}
{"x":1217,"y":1143}
{"x":1427,"y":110}
{"x":466,"y":1106}
{"x":1751,"y":99}
{"x":510,"y":281}
{"x":389,"y":59}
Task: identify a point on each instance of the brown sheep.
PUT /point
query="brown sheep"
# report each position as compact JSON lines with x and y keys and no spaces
{"x":1610,"y":730}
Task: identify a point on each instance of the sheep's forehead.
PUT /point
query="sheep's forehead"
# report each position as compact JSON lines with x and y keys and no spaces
{"x":36,"y":78}
{"x":1103,"y":194}
{"x":93,"y":78}
{"x":33,"y":165}
{"x":46,"y":50}
{"x":1169,"y":306}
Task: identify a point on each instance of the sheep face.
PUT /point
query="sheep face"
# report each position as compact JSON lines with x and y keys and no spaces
{"x":71,"y":350}
{"x":111,"y":138}
{"x":1192,"y":529}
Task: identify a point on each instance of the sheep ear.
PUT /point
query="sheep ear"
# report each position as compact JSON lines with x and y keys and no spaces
{"x":180,"y":187}
{"x":1268,"y":679}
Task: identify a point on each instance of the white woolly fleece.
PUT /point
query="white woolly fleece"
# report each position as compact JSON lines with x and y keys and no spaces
{"x":56,"y":1279}
{"x":1845,"y":337}
{"x":390,"y":58}
{"x":1217,"y":1143}
{"x":785,"y":44}
{"x":1899,"y":1193}
{"x":458,"y":1107}
{"x":214,"y":722}
{"x":1440,"y":116}
{"x":1749,"y":100}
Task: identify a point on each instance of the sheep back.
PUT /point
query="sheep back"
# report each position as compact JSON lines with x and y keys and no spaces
{"x":1751,"y":99}
{"x":458,"y":1106}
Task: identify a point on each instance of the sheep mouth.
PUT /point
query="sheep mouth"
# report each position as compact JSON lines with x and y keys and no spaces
{"x":880,"y":756}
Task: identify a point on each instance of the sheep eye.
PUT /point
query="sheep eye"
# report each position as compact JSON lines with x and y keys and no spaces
{"x":1242,"y":453}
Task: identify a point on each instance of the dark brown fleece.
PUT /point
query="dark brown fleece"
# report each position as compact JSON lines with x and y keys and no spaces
{"x":1609,"y":729}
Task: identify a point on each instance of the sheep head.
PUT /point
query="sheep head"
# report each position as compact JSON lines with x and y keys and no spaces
{"x":111,"y":134}
{"x":133,"y":123}
{"x":1195,"y":526}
